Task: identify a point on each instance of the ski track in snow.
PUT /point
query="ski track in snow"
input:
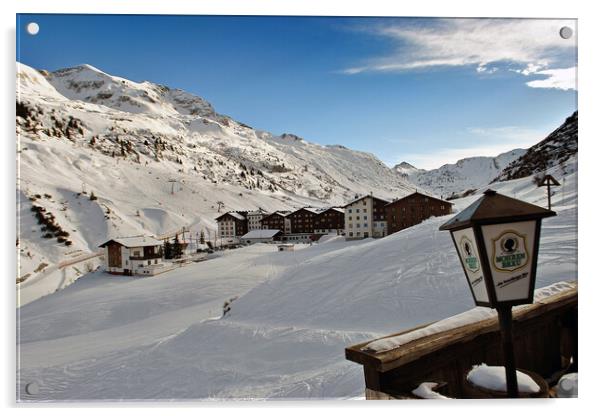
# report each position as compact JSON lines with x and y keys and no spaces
{"x":123,"y":338}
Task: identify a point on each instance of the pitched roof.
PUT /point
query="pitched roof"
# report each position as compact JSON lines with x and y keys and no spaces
{"x":310,"y":209}
{"x":139,"y":241}
{"x":366,"y":196}
{"x":261,"y":234}
{"x":421,"y":194}
{"x":337,"y":209}
{"x":280,"y":213}
{"x":234,"y":214}
{"x":493,"y":207}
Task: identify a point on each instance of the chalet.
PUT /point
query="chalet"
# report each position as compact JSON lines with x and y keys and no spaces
{"x":231,"y":226}
{"x":413,"y":209}
{"x":365,"y":218}
{"x":302,"y":220}
{"x":261,"y":236}
{"x":330,"y":221}
{"x":254,"y":219}
{"x":133,"y":255}
{"x":277,"y":221}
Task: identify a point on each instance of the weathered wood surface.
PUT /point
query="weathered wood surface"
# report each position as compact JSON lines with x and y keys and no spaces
{"x":540,"y":337}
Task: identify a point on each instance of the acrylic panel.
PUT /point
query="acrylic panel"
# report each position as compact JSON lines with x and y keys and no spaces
{"x":236,"y":207}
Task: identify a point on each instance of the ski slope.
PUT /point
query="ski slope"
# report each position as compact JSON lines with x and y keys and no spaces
{"x":164,"y":337}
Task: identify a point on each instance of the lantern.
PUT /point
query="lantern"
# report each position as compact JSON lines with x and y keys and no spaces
{"x":497,"y":240}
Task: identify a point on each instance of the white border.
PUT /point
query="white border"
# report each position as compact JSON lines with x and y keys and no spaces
{"x":589,"y":158}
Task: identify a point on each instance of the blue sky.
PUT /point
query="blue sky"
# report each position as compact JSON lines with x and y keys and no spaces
{"x":426,"y":91}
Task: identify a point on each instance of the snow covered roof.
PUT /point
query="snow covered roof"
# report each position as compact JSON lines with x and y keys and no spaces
{"x":366,"y":196}
{"x":234,"y":214}
{"x":281,"y":213}
{"x":261,"y":234}
{"x":139,"y":241}
{"x":337,"y":209}
{"x":311,"y":209}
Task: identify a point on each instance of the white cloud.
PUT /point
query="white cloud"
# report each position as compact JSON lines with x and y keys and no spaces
{"x":562,"y":79}
{"x":531,"y":44}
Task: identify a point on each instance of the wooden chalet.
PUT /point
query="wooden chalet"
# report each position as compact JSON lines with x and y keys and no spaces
{"x":413,"y":209}
{"x":302,"y":220}
{"x":133,"y":255}
{"x":331,"y":220}
{"x":276,"y":221}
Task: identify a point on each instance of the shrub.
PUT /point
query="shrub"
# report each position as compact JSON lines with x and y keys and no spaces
{"x":68,"y":243}
{"x":92,"y":196}
{"x":61,"y":239}
{"x":47,"y":235}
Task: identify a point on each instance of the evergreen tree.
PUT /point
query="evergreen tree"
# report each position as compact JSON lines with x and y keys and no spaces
{"x":167,"y":250}
{"x":176,"y":248}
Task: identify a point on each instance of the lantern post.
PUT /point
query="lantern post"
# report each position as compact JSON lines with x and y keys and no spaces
{"x":497,"y":241}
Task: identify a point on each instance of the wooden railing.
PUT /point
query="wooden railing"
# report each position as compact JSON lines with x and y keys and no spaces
{"x":545,"y":342}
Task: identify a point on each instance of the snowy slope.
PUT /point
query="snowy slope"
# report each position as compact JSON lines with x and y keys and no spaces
{"x":557,"y":148}
{"x":456,"y":178}
{"x":159,"y":337}
{"x":81,"y":130}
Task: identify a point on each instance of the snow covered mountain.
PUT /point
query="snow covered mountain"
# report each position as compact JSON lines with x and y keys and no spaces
{"x":466,"y":174}
{"x":82,"y":130}
{"x":556,"y":149}
{"x":406,"y":169}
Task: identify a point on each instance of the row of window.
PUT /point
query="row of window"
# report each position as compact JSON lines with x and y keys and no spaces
{"x":359,"y":234}
{"x":149,"y":262}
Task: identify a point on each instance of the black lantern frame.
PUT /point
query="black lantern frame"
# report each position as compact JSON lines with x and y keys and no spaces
{"x":493,"y":209}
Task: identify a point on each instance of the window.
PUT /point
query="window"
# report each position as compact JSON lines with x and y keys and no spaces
{"x":149,"y":262}
{"x":365,"y":218}
{"x":357,"y":225}
{"x":351,"y":234}
{"x":366,"y":235}
{"x":350,"y":210}
{"x":364,"y":201}
{"x":126,"y":263}
{"x":365,"y":210}
{"x":357,"y":210}
{"x":365,"y":225}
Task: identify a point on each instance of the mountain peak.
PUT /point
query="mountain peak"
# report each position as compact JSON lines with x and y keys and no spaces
{"x":404,"y":165}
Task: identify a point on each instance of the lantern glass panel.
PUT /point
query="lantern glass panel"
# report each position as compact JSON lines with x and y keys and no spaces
{"x":510,"y":253}
{"x":469,"y":257}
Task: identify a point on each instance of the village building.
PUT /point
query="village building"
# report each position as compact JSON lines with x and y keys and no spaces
{"x":261,"y":236}
{"x":254,"y":219}
{"x":133,"y":256}
{"x":231,"y":226}
{"x":277,"y":221}
{"x":365,"y":218}
{"x":302,"y":220}
{"x":330,"y":221}
{"x":413,"y":209}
